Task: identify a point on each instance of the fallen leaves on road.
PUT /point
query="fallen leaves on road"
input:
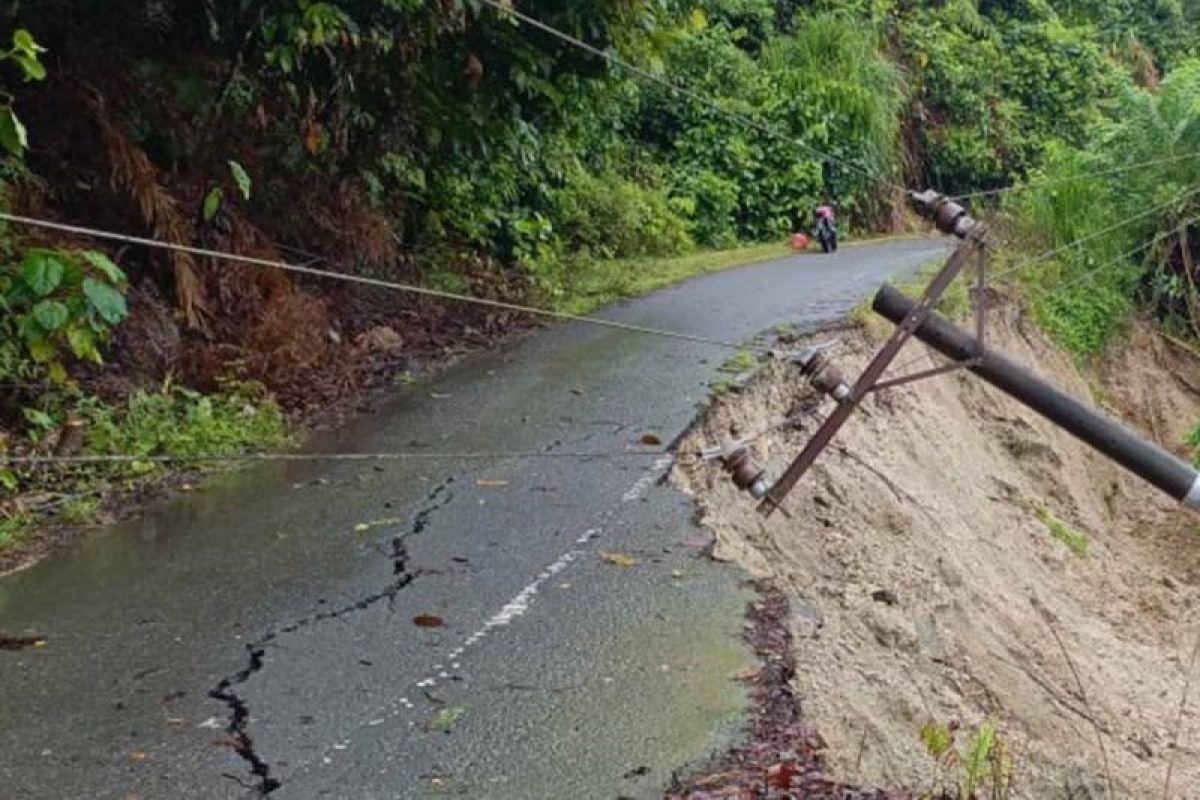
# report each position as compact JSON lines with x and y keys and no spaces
{"x":137,"y":755}
{"x":482,"y":482}
{"x":619,"y":559}
{"x":363,"y":527}
{"x":429,"y":621}
{"x":21,"y":642}
{"x":445,"y":719}
{"x":651,"y":440}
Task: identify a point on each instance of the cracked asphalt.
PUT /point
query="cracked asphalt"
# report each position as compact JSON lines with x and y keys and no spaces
{"x":253,"y":638}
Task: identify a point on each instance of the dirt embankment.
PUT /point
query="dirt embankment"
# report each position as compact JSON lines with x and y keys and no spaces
{"x":928,"y":583}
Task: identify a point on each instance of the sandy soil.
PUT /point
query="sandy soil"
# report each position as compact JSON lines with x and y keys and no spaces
{"x":927,"y":586}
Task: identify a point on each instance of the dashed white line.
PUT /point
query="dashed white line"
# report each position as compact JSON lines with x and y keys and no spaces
{"x":511,"y":611}
{"x":653,"y":473}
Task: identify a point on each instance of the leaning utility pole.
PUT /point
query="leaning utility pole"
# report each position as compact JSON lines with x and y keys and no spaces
{"x":916,"y":318}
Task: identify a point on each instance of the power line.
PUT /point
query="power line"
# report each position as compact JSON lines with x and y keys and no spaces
{"x":1108,"y":264}
{"x":1065,"y":284}
{"x":440,"y":294}
{"x":1051,"y":291}
{"x":1047,"y":255}
{"x":696,"y":97}
{"x":1071,"y":178}
{"x":416,"y":455}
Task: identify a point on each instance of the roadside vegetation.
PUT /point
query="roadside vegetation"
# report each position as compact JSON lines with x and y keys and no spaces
{"x":446,"y":144}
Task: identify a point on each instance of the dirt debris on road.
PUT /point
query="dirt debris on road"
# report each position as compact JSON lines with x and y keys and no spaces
{"x":784,"y":758}
{"x":936,"y":551}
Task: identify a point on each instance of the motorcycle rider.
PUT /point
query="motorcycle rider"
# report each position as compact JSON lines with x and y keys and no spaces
{"x":826,"y":227}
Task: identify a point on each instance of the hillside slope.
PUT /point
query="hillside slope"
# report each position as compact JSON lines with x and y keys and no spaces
{"x":955,"y":558}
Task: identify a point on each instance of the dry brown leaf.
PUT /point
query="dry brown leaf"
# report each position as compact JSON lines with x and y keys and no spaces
{"x":619,"y":559}
{"x":429,"y":621}
{"x":651,"y":440}
{"x":490,"y":483}
{"x":313,"y":139}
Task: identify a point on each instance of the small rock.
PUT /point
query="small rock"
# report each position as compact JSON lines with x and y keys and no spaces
{"x":885,"y":596}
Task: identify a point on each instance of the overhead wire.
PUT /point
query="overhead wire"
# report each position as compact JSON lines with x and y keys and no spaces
{"x":1063,"y":285}
{"x":1037,"y":184}
{"x":506,"y":9}
{"x":413,"y":455}
{"x":408,"y":288}
{"x":1049,"y":254}
{"x":1111,"y":263}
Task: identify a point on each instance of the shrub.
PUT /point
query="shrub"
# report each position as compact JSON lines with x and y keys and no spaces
{"x":55,"y":304}
{"x":607,"y":215}
{"x":179,"y":422}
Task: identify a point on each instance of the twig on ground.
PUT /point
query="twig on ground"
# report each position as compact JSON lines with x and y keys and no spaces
{"x":1183,"y":701}
{"x":1048,"y":618}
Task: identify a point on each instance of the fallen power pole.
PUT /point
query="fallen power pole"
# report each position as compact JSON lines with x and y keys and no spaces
{"x":916,"y":319}
{"x":1141,"y":457}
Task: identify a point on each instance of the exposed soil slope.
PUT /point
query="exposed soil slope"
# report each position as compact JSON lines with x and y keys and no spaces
{"x":928,"y":585}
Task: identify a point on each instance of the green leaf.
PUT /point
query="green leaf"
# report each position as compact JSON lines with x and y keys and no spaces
{"x":83,"y":344}
{"x":58,"y":373}
{"x":13,"y":135}
{"x":105,"y":265}
{"x":8,"y":480}
{"x":33,"y":69}
{"x":41,"y":350}
{"x":212,"y":203}
{"x":50,"y":314}
{"x":38,"y":418}
{"x":23,"y":40}
{"x":108,"y":302}
{"x":42,"y":272}
{"x":241,"y":178}
{"x":936,"y":738}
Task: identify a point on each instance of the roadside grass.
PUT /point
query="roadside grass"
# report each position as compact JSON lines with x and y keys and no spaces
{"x":955,"y":303}
{"x":592,"y":284}
{"x":727,"y":374}
{"x":981,"y":766}
{"x":173,"y":421}
{"x":13,"y":527}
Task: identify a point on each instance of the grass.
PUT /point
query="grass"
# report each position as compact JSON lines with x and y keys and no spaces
{"x":1076,"y":541}
{"x":743,"y":362}
{"x":80,"y":511}
{"x":593,"y":284}
{"x":981,"y":767}
{"x":955,"y":303}
{"x":13,"y":527}
{"x":173,"y":421}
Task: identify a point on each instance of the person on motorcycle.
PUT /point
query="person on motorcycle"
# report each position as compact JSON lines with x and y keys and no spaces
{"x":826,"y":232}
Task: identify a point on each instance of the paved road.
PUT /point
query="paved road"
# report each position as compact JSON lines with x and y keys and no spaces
{"x":259,"y":600}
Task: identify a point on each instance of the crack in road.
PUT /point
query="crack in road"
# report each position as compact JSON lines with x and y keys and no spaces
{"x":262,"y":782}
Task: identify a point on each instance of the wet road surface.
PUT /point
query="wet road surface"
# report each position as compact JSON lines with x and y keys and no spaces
{"x":260,"y":601}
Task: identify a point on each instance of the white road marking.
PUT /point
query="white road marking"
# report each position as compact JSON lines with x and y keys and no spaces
{"x":653,"y":473}
{"x":511,"y":611}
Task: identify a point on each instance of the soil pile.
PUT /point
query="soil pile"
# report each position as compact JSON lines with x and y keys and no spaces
{"x":954,"y":559}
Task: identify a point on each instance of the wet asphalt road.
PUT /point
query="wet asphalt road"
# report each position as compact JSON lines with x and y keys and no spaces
{"x":556,"y":674}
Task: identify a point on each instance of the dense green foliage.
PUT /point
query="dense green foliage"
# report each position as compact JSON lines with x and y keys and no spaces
{"x":1138,"y":226}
